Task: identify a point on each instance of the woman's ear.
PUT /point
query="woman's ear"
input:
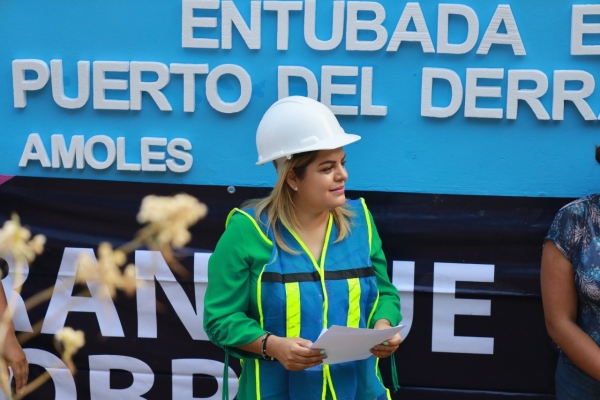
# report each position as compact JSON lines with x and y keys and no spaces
{"x":292,"y":180}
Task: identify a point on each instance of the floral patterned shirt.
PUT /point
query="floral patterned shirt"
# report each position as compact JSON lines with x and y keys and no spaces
{"x":576,"y":232}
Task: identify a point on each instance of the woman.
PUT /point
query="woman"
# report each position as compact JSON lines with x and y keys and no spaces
{"x":298,"y":261}
{"x":570,"y":279}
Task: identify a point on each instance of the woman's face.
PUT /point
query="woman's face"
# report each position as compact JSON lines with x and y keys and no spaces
{"x":322,"y":187}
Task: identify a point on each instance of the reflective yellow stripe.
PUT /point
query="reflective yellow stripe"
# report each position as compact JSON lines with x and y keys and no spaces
{"x":326,"y":370}
{"x":301,"y":243}
{"x":251,"y":218}
{"x":373,"y":310}
{"x":229,"y":216}
{"x":328,"y":375}
{"x":324,"y":392}
{"x":257,"y":364}
{"x":258,"y":294}
{"x":262,"y":325}
{"x":322,"y":273}
{"x":319,"y":268}
{"x":259,"y":298}
{"x":353,"y":303}
{"x":378,"y":374}
{"x":292,"y":308}
{"x":369,"y":229}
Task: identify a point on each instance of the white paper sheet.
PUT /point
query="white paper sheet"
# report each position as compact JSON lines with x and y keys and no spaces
{"x":344,"y":344}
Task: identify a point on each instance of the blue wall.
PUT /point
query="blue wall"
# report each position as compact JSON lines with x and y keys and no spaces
{"x":400,"y":152}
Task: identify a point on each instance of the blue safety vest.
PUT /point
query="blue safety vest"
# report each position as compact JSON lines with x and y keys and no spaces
{"x":298,"y":297}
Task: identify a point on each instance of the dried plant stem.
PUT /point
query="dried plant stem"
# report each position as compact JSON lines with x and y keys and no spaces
{"x":133,"y":245}
{"x":144,"y":237}
{"x":39,"y":298}
{"x":4,"y":377}
{"x":163,"y":230}
{"x":24,"y":337}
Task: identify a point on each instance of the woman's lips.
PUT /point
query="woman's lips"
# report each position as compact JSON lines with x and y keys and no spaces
{"x":339,"y":190}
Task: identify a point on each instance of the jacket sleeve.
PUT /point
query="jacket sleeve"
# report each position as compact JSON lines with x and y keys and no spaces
{"x":388,"y":306}
{"x":227,"y":298}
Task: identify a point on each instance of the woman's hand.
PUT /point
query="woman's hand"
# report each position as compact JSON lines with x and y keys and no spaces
{"x":294,"y":353}
{"x":16,"y":360}
{"x":13,"y":352}
{"x":386,"y":348}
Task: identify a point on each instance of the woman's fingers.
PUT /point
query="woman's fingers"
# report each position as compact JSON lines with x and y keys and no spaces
{"x":311,"y":360}
{"x":21,"y":372}
{"x":302,"y":367}
{"x":16,"y":360}
{"x":303,"y":363}
{"x":395,"y":341}
{"x":389,"y":346}
{"x":386,"y":348}
{"x":298,"y":356}
{"x":306,"y":352}
{"x":307,"y":356}
{"x":383,"y":351}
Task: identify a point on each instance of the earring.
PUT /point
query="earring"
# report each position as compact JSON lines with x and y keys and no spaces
{"x":296,"y":188}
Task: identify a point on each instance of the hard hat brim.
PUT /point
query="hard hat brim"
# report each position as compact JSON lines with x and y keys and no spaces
{"x":330,"y":143}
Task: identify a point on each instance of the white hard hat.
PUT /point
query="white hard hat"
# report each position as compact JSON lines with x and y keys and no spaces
{"x":298,"y":124}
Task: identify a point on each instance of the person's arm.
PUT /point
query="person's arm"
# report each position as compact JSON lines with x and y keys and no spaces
{"x":13,"y":352}
{"x":227,"y":300}
{"x":387,"y":313}
{"x":559,"y":297}
{"x":388,"y":306}
{"x":227,"y":296}
{"x":293,"y":353}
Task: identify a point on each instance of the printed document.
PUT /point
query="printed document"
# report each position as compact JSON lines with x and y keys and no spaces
{"x":343,"y":344}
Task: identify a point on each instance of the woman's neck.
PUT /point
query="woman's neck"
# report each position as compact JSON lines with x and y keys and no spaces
{"x":310,"y":221}
{"x":312,"y":231}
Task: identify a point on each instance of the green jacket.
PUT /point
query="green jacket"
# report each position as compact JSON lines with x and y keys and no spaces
{"x":230,"y":304}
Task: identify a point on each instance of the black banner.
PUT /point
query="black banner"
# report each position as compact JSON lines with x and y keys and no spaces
{"x":499,"y":235}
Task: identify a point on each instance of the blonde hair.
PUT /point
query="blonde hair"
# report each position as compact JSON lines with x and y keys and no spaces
{"x":279,"y":205}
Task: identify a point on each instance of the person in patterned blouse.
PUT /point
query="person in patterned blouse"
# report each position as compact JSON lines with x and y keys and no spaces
{"x":570,"y":281}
